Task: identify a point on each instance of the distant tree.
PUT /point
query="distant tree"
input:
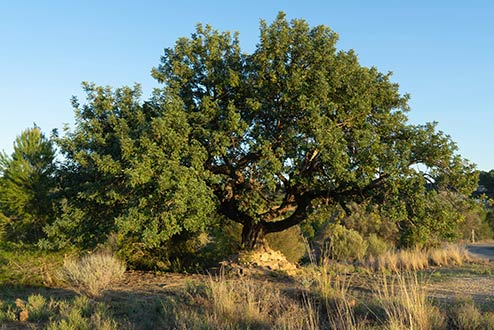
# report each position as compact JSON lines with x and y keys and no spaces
{"x":298,"y":124}
{"x":26,"y":186}
{"x":486,"y":184}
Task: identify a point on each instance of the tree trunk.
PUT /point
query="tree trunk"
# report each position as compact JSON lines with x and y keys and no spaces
{"x":253,"y":235}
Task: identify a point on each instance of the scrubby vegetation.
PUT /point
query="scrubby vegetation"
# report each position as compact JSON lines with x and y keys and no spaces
{"x":91,"y":274}
{"x":323,"y":295}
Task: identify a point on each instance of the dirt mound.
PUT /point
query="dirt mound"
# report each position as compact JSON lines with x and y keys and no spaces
{"x":262,"y":259}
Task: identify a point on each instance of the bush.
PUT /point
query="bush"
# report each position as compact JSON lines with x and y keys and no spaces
{"x":376,"y":246}
{"x":181,"y":253}
{"x":341,"y":243}
{"x":466,"y":316}
{"x":225,"y":240}
{"x":37,"y":307}
{"x":93,"y":273}
{"x":368,"y":219}
{"x":488,"y":320}
{"x":289,"y":242}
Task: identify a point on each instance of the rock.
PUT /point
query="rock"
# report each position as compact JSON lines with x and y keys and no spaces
{"x":23,"y":315}
{"x":267,"y":258}
{"x":258,"y":262}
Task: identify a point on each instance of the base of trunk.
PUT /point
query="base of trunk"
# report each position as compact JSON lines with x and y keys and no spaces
{"x":253,"y":236}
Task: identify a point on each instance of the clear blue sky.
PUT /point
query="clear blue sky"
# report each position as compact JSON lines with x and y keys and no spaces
{"x":441,"y":52}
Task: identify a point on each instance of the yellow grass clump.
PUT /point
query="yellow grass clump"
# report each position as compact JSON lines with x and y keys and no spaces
{"x":417,"y":259}
{"x":92,"y":274}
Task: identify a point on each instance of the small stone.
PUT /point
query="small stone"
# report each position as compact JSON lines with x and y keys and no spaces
{"x":23,"y":315}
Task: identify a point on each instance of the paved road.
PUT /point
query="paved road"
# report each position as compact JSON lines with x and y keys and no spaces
{"x":484,"y":250}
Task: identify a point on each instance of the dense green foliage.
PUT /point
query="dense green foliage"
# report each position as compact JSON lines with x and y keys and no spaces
{"x":132,"y":170}
{"x":27,"y":185}
{"x":340,"y":243}
{"x":298,"y":123}
{"x":295,"y":131}
{"x":486,"y":184}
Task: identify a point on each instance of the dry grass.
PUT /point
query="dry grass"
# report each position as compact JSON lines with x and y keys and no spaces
{"x":92,"y":274}
{"x":324,"y":299}
{"x":417,"y":259}
{"x":387,"y":261}
{"x":438,"y":257}
{"x":413,"y":260}
{"x":326,"y":296}
{"x":243,"y":303}
{"x":334,"y":290}
{"x":404,"y":302}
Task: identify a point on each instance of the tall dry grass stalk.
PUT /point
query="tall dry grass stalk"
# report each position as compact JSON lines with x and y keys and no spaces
{"x":92,"y":274}
{"x":404,"y":302}
{"x":334,"y":290}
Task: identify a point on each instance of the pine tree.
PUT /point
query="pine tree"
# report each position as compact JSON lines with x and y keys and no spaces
{"x":26,"y":186}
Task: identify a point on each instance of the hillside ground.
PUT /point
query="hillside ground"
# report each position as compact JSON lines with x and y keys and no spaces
{"x":147,"y":300}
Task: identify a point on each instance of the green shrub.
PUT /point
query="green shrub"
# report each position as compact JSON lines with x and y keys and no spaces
{"x":289,"y":242}
{"x":82,"y":314}
{"x":37,"y":308}
{"x":25,"y":264}
{"x":368,"y":219}
{"x":182,"y":252}
{"x":341,"y":243}
{"x":377,"y":246}
{"x":465,"y":315}
{"x":224,"y":241}
{"x":488,"y":320}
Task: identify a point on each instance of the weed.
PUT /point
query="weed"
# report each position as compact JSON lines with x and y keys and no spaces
{"x":82,"y":314}
{"x":92,"y":274}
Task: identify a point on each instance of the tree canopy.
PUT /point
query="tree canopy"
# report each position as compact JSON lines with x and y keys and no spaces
{"x":298,"y":123}
{"x":486,"y":184}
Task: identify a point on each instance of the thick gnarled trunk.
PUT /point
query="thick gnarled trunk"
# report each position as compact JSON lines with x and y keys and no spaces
{"x":253,"y":232}
{"x":253,"y":235}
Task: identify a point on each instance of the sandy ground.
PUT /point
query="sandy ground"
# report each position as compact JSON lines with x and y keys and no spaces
{"x":479,"y":285}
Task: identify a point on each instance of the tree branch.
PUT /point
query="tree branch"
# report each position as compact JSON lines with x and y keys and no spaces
{"x":295,"y":218}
